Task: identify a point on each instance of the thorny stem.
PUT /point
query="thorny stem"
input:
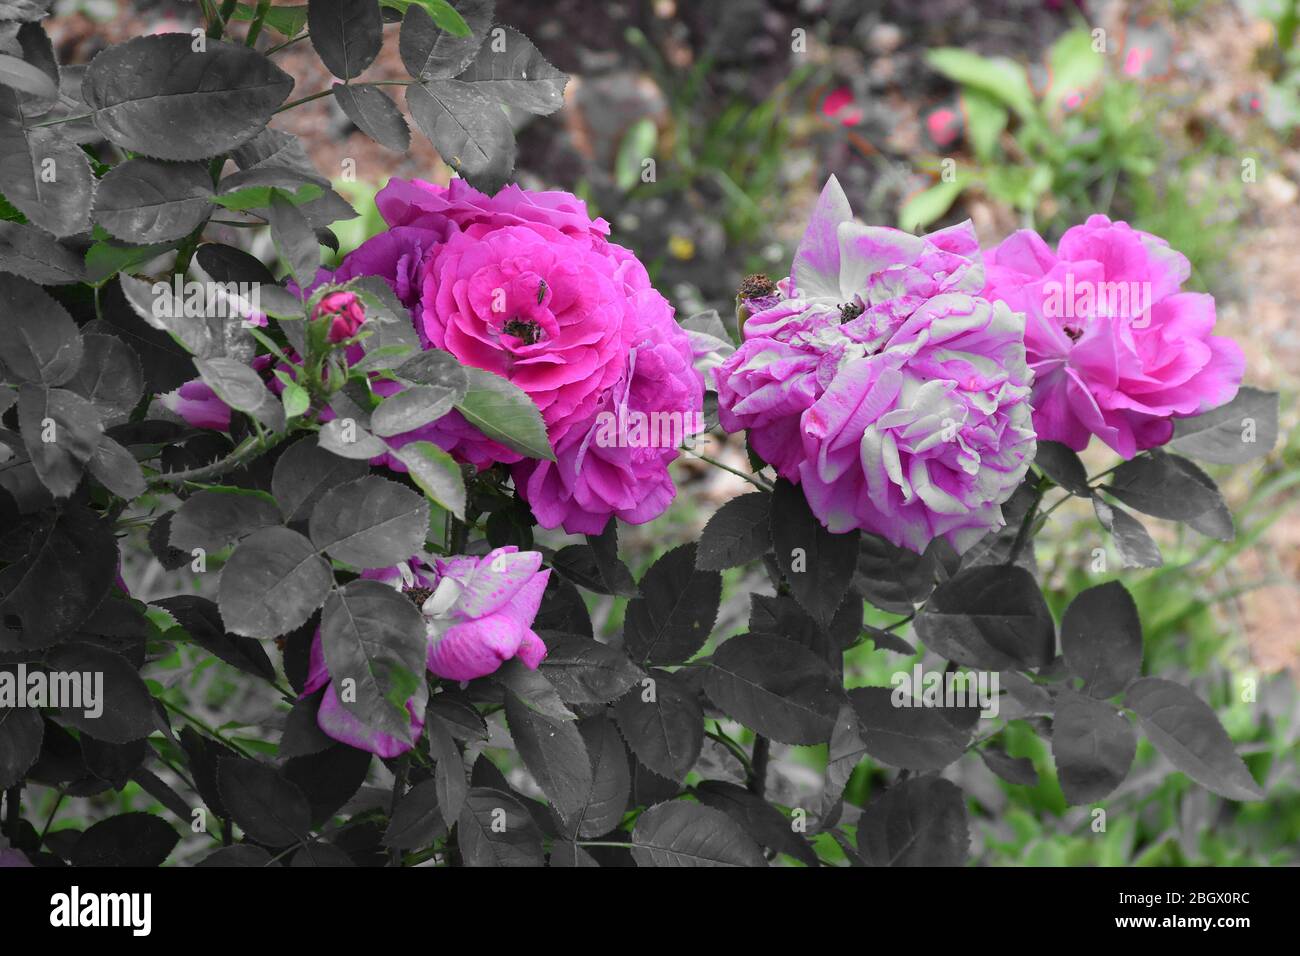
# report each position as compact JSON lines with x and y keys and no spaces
{"x":244,"y":452}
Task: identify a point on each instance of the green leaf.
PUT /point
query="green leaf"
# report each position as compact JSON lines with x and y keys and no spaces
{"x":417,"y":821}
{"x":929,"y":205}
{"x":985,"y":120}
{"x":776,"y":687}
{"x":149,"y":201}
{"x":897,"y":728}
{"x":110,"y":376}
{"x":288,"y":21}
{"x":638,"y":145}
{"x":272,"y":583}
{"x":1101,"y":639}
{"x":992,"y":616}
{"x":294,"y":238}
{"x":676,"y":611}
{"x":1093,"y":745}
{"x":739,"y":532}
{"x":40,"y":343}
{"x":511,"y":70}
{"x":374,"y":114}
{"x":347,"y":34}
{"x":370,"y":522}
{"x":1073,"y":66}
{"x":690,"y":834}
{"x":1136,"y":547}
{"x":662,"y":721}
{"x":430,"y":51}
{"x":919,"y":822}
{"x":1185,"y":730}
{"x":1243,"y":429}
{"x":214,"y":518}
{"x":437,"y":474}
{"x":43,"y":173}
{"x":149,"y":93}
{"x":503,"y":412}
{"x":470,"y":130}
{"x":443,"y":13}
{"x":36,"y":255}
{"x":816,"y":564}
{"x":999,"y":77}
{"x":375,"y":636}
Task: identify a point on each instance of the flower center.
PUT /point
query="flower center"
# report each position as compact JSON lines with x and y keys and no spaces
{"x":850,"y":311}
{"x":1074,"y":332}
{"x":525,"y":329}
{"x":418,"y":595}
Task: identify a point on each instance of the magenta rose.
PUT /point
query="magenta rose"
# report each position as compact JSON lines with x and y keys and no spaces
{"x":525,"y":285}
{"x":478,"y":614}
{"x":617,"y":465}
{"x":884,"y":384}
{"x":198,"y":405}
{"x":1117,"y":350}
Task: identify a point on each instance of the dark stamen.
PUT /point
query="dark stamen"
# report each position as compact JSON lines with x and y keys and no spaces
{"x":756,"y":286}
{"x":1074,"y":333}
{"x":849,"y":312}
{"x":523,"y":329}
{"x":418,"y":595}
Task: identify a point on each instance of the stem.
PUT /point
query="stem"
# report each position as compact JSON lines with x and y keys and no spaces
{"x":399,"y":788}
{"x":13,"y":798}
{"x":734,"y":747}
{"x":754,"y":480}
{"x":758,"y":773}
{"x":315,"y":96}
{"x":218,"y":24}
{"x":1022,"y":536}
{"x":459,"y":536}
{"x":244,"y":452}
{"x":181,"y":712}
{"x":263,"y":7}
{"x":292,"y":40}
{"x":50,"y":819}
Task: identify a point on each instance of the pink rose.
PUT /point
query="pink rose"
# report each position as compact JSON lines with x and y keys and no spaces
{"x":198,"y":405}
{"x":884,"y":385}
{"x":618,"y":463}
{"x":1117,"y":350}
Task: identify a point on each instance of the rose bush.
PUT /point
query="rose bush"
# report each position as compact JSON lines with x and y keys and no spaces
{"x":338,"y":514}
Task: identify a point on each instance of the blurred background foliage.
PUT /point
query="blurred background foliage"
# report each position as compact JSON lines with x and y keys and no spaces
{"x":703,"y":131}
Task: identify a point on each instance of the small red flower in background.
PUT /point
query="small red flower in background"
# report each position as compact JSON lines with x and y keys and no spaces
{"x":839,"y":106}
{"x":943,"y":126}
